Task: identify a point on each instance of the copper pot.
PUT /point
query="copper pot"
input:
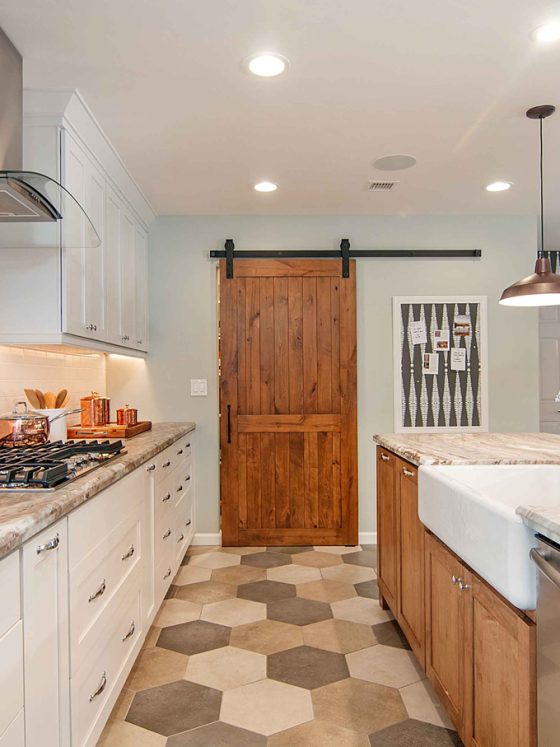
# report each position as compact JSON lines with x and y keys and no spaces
{"x":23,"y":427}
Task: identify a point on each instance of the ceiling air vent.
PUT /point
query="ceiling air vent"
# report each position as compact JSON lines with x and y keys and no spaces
{"x":381,"y":186}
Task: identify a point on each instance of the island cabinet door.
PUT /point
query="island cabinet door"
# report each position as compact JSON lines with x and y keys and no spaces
{"x":410,"y":614}
{"x":503,"y":669}
{"x":387,"y":528}
{"x":446,"y":628}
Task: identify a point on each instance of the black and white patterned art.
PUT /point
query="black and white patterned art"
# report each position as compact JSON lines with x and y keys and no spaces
{"x":438,"y":386}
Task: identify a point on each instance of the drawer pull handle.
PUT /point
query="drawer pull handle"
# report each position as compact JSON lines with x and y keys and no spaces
{"x":167,"y":534}
{"x":129,"y":553}
{"x":166,"y":497}
{"x":50,"y":545}
{"x":99,"y":592}
{"x":168,"y":573}
{"x":179,"y":452}
{"x":179,"y":488}
{"x":100,"y":687}
{"x":385,"y":458}
{"x":181,"y":537}
{"x":166,"y":464}
{"x":189,"y":522}
{"x":188,"y":445}
{"x":151,"y":468}
{"x":130,"y":632}
{"x":463,"y":586}
{"x":187,"y":478}
{"x":407,"y":472}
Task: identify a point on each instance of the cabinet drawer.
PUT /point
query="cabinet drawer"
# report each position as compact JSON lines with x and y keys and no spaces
{"x":183,"y":523}
{"x":9,"y":591}
{"x":167,"y":461}
{"x":99,"y":578}
{"x":95,"y":681}
{"x":11,"y":675}
{"x":14,"y":736}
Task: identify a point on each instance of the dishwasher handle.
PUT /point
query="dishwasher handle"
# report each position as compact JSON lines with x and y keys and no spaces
{"x":545,"y":567}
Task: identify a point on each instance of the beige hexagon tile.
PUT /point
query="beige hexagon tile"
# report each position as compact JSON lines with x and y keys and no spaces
{"x":385,"y":665}
{"x":123,"y":734}
{"x":360,"y":610}
{"x":156,"y":666}
{"x":267,"y":636}
{"x":326,"y":591}
{"x":205,"y":592}
{"x":293,"y":574}
{"x":120,"y":709}
{"x":422,"y":704}
{"x":266,"y":707}
{"x":233,"y":612}
{"x":191,"y":574}
{"x":318,"y":734}
{"x":340,"y":636}
{"x":202,"y":549}
{"x":225,"y":668}
{"x":214,"y":560}
{"x":350,"y":574}
{"x":337,"y":549}
{"x":176,"y":611}
{"x":316,"y":559}
{"x":152,"y":636}
{"x":239,"y":574}
{"x":243,"y":550}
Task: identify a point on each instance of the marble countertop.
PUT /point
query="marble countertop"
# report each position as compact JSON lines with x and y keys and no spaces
{"x":485,"y":448}
{"x":24,"y":514}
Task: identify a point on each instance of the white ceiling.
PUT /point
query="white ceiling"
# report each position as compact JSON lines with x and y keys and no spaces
{"x":445,"y":80}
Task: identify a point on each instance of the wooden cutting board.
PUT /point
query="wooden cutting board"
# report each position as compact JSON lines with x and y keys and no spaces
{"x":111,"y":430}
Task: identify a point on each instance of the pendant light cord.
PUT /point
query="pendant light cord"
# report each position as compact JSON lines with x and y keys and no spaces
{"x":541,"y":253}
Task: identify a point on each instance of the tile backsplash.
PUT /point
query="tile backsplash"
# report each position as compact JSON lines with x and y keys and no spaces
{"x":27,"y":368}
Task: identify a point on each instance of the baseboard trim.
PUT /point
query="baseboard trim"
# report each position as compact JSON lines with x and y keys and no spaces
{"x":215,"y":538}
{"x":207,"y":538}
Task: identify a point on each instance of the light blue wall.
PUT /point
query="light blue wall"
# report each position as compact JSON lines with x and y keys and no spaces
{"x":183,"y":320}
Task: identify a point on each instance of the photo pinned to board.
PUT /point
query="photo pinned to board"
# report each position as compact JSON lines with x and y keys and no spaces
{"x":462,"y":325}
{"x":441,"y":339}
{"x":430,"y":363}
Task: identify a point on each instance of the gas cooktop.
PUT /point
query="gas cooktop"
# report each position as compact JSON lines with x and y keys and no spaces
{"x":53,"y":465}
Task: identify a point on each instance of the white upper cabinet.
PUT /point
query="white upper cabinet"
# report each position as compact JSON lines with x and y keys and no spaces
{"x":88,"y":296}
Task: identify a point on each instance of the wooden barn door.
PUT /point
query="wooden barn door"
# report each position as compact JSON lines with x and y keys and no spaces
{"x":288,"y":403}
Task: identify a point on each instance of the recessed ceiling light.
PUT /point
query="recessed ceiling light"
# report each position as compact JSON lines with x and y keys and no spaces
{"x":266,"y":65}
{"x":396,"y":162}
{"x":498,"y":186}
{"x":547,"y":33}
{"x":266,"y":187}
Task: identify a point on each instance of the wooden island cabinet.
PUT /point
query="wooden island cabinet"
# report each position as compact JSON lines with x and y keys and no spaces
{"x":477,"y":649}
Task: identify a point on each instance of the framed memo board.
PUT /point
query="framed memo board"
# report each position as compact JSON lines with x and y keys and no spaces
{"x":440,"y":363}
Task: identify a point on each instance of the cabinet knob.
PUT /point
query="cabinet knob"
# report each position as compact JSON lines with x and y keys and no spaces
{"x":100,"y":687}
{"x":50,"y":545}
{"x":454,"y":580}
{"x":138,"y":342}
{"x":151,"y":468}
{"x":168,"y":573}
{"x":166,"y":497}
{"x":130,"y":631}
{"x":179,"y":488}
{"x":385,"y":458}
{"x":463,"y":586}
{"x":179,"y":452}
{"x":408,"y":472}
{"x":99,"y":592}
{"x":129,"y":553}
{"x":166,"y":464}
{"x":189,"y":522}
{"x":181,"y":537}
{"x":167,"y":534}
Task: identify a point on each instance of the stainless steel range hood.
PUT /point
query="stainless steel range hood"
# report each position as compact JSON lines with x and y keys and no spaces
{"x":27,"y":196}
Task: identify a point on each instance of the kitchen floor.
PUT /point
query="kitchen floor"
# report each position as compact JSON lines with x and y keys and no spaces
{"x":283,"y":647}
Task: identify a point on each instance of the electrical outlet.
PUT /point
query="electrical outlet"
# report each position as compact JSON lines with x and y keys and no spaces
{"x":199,"y":387}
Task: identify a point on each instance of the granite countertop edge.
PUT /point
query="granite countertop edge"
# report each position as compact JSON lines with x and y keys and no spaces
{"x":25,"y":514}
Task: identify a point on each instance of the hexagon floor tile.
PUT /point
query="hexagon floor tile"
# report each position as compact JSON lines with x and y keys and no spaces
{"x":276,"y":647}
{"x":266,"y":707}
{"x":307,"y":667}
{"x":173,"y":708}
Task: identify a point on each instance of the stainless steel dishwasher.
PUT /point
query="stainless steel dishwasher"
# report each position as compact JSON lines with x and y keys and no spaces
{"x":547,"y":559}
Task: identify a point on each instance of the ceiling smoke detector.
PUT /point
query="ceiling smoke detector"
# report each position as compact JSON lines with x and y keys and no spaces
{"x":375,"y":186}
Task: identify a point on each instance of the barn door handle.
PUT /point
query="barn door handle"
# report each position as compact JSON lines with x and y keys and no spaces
{"x":229,"y":424}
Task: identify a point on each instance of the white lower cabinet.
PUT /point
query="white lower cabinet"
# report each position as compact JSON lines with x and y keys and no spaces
{"x":45,"y":638}
{"x":90,"y":585}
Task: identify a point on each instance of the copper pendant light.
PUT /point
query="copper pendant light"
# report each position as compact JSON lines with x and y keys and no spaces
{"x":543,"y":287}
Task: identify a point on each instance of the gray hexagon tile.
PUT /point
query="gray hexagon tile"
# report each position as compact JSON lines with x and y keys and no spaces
{"x":217,"y":734}
{"x":307,"y":667}
{"x":299,"y":611}
{"x":266,"y":559}
{"x":411,"y":733}
{"x":194,"y":637}
{"x":266,"y":591}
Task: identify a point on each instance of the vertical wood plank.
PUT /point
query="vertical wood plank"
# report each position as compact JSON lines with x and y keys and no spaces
{"x":295,"y":353}
{"x":335,"y":359}
{"x":241,"y":347}
{"x":309,"y":345}
{"x":254,"y":480}
{"x":336,"y":484}
{"x":281,"y":347}
{"x":282,"y":481}
{"x":349,"y":446}
{"x":242,"y":467}
{"x":229,"y":482}
{"x":324,"y":479}
{"x":268,"y":471}
{"x":297,"y":480}
{"x":324,"y":346}
{"x":252,"y":328}
{"x":311,"y":468}
{"x":267,"y":345}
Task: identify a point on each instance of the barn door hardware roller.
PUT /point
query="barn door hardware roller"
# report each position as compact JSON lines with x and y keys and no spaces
{"x":230,"y":254}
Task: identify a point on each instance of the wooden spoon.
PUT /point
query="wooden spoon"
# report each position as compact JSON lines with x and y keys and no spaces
{"x":65,"y":400}
{"x":32,"y":397}
{"x":50,"y":400}
{"x":41,"y":398}
{"x":60,"y":397}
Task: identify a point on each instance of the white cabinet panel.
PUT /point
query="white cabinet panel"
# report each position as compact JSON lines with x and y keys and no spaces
{"x":11,"y":675}
{"x":127,"y":279}
{"x":10,"y":591}
{"x":45,"y":640}
{"x":14,"y":736}
{"x":141,"y":299}
{"x":112,"y":258}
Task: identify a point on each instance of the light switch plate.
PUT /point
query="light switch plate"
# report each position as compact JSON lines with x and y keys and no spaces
{"x":199,"y":387}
